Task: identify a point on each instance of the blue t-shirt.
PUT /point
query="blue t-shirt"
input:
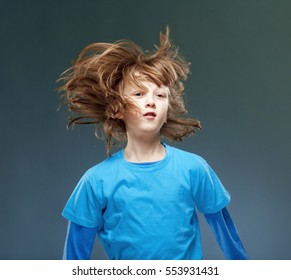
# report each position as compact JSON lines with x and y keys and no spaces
{"x":148,"y":210}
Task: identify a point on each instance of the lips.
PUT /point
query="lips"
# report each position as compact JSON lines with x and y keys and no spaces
{"x":150,"y":114}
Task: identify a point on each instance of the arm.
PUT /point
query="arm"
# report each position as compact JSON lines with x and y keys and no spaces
{"x":79,"y":242}
{"x":226,"y":235}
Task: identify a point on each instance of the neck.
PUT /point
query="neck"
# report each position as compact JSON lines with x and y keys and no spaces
{"x":144,"y":150}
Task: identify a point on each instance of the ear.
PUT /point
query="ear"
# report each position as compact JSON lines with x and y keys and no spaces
{"x":118,"y":115}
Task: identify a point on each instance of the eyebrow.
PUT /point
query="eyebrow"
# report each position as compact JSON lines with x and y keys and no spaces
{"x":138,"y":89}
{"x":134,"y":87}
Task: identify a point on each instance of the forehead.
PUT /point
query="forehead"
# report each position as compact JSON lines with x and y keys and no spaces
{"x":139,"y":81}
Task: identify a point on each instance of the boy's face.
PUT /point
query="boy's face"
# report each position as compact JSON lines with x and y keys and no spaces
{"x":152,"y":103}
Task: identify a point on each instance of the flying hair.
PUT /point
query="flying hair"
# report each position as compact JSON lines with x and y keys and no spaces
{"x":92,"y":86}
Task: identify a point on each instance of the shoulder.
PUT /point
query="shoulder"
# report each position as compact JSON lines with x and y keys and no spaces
{"x":104,"y":167}
{"x":186,"y":157}
{"x":190,"y":162}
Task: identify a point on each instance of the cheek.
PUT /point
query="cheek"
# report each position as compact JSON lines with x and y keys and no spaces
{"x":128,"y":115}
{"x":132,"y":111}
{"x":167,"y":107}
{"x":165,"y":113}
{"x":131,"y":114}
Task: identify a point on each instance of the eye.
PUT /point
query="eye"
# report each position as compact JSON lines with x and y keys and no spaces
{"x":137,"y":94}
{"x":161,"y":95}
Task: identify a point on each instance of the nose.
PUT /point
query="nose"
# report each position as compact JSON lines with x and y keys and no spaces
{"x":151,"y":105}
{"x":150,"y":102}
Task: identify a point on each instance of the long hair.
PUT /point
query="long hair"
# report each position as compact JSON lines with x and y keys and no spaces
{"x":92,"y":86}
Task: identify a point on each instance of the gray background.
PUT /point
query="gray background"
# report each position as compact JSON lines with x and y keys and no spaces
{"x":239,"y":88}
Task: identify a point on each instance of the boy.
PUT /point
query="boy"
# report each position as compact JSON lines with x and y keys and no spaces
{"x":141,"y":201}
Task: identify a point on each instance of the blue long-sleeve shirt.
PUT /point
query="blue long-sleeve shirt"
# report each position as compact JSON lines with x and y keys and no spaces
{"x":80,"y":239}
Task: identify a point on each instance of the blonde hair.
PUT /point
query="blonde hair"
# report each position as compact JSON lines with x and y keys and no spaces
{"x":92,"y":86}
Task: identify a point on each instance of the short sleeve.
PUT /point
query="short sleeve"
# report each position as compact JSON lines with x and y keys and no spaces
{"x":209,"y":194}
{"x":84,"y":207}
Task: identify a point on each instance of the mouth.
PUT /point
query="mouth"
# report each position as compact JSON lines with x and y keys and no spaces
{"x":150,"y":114}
